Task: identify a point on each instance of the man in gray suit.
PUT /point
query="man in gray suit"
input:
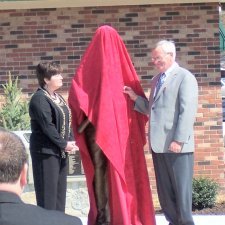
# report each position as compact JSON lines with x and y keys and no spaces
{"x":13,"y":178}
{"x":172,"y":109}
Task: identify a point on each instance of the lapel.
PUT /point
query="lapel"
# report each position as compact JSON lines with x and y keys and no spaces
{"x":153,"y":85}
{"x":169,"y":79}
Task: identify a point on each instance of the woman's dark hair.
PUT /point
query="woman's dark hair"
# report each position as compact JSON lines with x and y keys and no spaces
{"x":47,"y":70}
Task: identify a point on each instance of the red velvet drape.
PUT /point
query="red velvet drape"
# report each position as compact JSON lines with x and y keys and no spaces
{"x":97,"y":92}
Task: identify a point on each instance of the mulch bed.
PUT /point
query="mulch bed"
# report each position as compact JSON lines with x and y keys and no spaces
{"x":218,"y":209}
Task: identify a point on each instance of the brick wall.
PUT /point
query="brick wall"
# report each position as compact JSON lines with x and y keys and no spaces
{"x":30,"y":36}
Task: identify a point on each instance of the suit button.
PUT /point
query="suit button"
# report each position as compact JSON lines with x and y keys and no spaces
{"x":153,"y":108}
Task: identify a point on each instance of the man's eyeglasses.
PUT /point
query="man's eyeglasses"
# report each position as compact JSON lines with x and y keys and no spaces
{"x":159,"y":58}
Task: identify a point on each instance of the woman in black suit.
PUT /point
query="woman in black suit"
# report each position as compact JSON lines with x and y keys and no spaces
{"x":51,"y":138}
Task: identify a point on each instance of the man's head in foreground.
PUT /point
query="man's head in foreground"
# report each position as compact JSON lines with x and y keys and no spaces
{"x":13,"y":163}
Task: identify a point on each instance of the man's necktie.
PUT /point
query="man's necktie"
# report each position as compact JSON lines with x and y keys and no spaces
{"x":159,"y":83}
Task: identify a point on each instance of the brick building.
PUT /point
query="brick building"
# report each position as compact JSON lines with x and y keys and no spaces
{"x":34,"y":31}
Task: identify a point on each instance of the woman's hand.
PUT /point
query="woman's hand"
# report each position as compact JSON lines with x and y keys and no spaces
{"x":71,"y":147}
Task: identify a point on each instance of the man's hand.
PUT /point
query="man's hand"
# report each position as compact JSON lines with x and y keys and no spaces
{"x":130,"y":92}
{"x":175,"y":146}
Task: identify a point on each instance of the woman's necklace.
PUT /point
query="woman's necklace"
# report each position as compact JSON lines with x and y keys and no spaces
{"x":60,"y":102}
{"x":54,"y":97}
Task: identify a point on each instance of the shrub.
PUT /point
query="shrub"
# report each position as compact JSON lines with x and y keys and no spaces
{"x":14,"y":112}
{"x":204,"y":193}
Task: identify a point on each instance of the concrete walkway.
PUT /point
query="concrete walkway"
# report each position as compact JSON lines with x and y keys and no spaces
{"x":199,"y":220}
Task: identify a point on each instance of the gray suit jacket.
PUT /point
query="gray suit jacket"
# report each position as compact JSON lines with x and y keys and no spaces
{"x":172,"y":112}
{"x":14,"y":212}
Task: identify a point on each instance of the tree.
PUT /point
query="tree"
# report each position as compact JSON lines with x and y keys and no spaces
{"x":14,"y":112}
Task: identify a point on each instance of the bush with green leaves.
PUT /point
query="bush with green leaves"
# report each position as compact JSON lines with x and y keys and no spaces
{"x":14,"y":111}
{"x":204,"y":193}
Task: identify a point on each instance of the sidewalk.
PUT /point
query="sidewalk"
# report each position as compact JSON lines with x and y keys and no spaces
{"x":199,"y":220}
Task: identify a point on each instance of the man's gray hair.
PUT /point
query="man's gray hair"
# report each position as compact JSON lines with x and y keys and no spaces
{"x":167,"y":47}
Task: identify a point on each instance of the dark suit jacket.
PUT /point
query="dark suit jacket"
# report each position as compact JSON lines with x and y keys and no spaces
{"x":15,"y":212}
{"x":47,"y":124}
